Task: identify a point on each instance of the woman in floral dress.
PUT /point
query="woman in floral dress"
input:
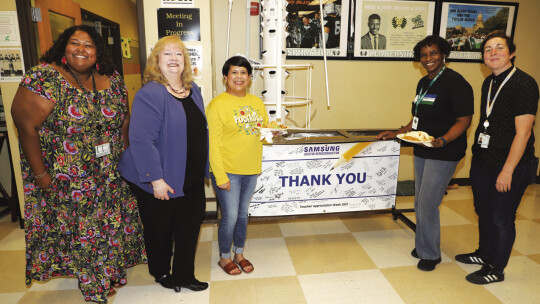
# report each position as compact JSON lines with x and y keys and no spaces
{"x":72,"y":115}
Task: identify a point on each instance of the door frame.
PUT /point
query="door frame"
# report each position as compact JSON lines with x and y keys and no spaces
{"x":116,"y":51}
{"x":27,"y":33}
{"x":63,"y":7}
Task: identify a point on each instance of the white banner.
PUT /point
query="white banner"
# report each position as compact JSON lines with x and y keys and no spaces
{"x":298,"y":179}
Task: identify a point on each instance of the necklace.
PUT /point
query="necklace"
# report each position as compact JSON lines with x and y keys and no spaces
{"x":79,"y":82}
{"x":182,"y":91}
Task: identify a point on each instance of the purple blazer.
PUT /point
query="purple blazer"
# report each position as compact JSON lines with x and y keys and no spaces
{"x":158,"y":139}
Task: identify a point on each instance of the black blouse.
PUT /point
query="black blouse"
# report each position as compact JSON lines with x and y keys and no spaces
{"x":197,"y":145}
{"x":519,"y":96}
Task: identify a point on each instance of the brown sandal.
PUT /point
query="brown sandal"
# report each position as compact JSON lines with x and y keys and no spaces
{"x":111,"y":293}
{"x":244,"y":264}
{"x":229,"y":268}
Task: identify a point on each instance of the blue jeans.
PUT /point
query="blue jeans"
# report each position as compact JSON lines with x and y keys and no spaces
{"x":234,"y":212}
{"x":497,"y":210}
{"x":431,"y":180}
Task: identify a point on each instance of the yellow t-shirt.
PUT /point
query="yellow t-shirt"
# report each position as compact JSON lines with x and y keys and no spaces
{"x":235,"y":145}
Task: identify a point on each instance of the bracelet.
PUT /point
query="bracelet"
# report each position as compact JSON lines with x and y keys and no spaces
{"x":40,"y":175}
{"x":443,"y":140}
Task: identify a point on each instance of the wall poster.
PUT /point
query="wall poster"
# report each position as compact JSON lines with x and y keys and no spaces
{"x":390,"y":29}
{"x":466,"y":24}
{"x":184,"y":22}
{"x":304,"y":28}
{"x":11,"y":65}
{"x":297,"y":179}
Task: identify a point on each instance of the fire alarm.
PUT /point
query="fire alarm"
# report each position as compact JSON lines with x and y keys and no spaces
{"x":254,"y":11}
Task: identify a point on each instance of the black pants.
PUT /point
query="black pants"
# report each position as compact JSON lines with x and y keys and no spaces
{"x":177,"y":220}
{"x":497,"y":210}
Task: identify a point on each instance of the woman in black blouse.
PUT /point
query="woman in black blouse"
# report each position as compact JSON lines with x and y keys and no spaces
{"x":503,"y":152}
{"x":443,"y":108}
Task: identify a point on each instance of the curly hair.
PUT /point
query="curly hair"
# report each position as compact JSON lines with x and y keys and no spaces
{"x":58,"y":49}
{"x":153,"y":72}
{"x":440,"y":42}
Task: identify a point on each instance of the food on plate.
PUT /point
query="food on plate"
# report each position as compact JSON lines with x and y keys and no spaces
{"x":274,"y":125}
{"x":419,"y":136}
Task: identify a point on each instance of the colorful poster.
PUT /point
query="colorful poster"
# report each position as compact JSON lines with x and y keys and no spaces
{"x":465,"y":26}
{"x":306,"y":25}
{"x":299,"y":179}
{"x":391,"y":29}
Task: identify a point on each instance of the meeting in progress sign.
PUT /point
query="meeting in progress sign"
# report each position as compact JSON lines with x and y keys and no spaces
{"x":183,"y":22}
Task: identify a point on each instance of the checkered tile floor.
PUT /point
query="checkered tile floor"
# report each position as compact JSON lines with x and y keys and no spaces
{"x":332,"y":259}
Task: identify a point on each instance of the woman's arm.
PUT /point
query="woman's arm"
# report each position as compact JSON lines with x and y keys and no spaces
{"x":29,"y":111}
{"x":215,"y":135}
{"x":459,"y":127}
{"x":125,"y":128}
{"x":524,"y":125}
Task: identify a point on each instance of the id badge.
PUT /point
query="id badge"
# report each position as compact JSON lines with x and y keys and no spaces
{"x":102,"y":147}
{"x":483,"y":140}
{"x":415,"y":122}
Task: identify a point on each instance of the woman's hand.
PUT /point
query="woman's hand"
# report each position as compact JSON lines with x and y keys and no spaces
{"x":392,"y":134}
{"x":161,"y":189}
{"x":437,"y":143}
{"x":504,"y":181}
{"x":226,"y":186}
{"x":44,"y":182}
{"x":524,"y":124}
{"x":387,"y":135}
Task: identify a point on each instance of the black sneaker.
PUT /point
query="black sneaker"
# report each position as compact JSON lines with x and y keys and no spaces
{"x":486,"y":275}
{"x":471,"y":258}
{"x":428,"y":265}
{"x":414,"y":253}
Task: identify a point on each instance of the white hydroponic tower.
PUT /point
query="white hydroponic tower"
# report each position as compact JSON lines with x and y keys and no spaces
{"x":274,"y":34}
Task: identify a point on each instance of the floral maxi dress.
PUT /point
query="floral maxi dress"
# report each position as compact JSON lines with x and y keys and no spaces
{"x":88,"y":226}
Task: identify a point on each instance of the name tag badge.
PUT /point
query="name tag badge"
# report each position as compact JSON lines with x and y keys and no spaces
{"x":415,"y":123}
{"x":483,"y":140}
{"x":103,"y":149}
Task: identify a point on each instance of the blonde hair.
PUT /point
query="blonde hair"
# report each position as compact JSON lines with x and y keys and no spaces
{"x":153,"y":72}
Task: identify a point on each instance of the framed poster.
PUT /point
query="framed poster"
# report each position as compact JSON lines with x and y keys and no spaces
{"x":305,"y":20}
{"x":11,"y":65}
{"x":183,"y":22}
{"x":389,"y":29}
{"x":465,"y":24}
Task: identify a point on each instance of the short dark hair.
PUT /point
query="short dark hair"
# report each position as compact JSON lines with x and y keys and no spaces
{"x":430,"y":40}
{"x":374,"y":16}
{"x":58,"y":49}
{"x":499,"y":34}
{"x":236,"y":61}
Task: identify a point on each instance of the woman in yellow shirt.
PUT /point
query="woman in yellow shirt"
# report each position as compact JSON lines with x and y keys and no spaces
{"x":235,"y":158}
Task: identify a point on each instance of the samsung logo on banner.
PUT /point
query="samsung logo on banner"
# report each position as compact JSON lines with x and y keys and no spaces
{"x":324,"y":150}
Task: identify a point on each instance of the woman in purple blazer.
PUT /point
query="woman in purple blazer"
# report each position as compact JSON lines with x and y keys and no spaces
{"x":166,"y":163}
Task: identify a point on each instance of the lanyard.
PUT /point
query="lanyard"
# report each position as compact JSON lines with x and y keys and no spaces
{"x":421,"y":95}
{"x":489,"y":105}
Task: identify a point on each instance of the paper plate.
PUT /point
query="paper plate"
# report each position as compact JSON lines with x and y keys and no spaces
{"x":425,"y":143}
